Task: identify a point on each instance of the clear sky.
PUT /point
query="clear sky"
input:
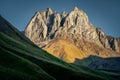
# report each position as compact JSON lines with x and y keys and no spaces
{"x":102,"y":13}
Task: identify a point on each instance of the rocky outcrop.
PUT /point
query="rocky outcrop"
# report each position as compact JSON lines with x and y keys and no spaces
{"x":118,"y":43}
{"x":75,"y":26}
{"x":102,"y":38}
{"x":43,"y":27}
{"x":114,"y":43}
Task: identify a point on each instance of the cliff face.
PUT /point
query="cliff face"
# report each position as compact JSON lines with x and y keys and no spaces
{"x":48,"y":25}
{"x":114,"y":43}
{"x":43,"y":26}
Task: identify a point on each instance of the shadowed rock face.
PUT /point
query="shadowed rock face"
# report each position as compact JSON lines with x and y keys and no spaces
{"x":49,"y":25}
{"x":114,"y":43}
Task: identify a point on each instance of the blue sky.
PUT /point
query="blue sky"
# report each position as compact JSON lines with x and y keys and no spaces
{"x":102,"y":13}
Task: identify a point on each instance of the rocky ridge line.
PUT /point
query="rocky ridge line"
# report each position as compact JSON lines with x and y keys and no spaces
{"x":75,"y":26}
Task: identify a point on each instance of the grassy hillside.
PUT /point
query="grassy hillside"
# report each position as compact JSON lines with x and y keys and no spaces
{"x":64,"y":49}
{"x":20,"y":59}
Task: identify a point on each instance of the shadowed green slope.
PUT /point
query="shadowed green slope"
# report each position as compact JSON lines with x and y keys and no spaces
{"x":22,"y":60}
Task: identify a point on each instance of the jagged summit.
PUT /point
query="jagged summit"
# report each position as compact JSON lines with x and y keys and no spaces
{"x":37,"y":13}
{"x":49,"y":10}
{"x":75,"y":27}
{"x":76,"y":8}
{"x":64,"y":13}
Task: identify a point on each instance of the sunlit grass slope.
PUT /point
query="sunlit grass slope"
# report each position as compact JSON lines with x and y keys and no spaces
{"x":65,"y":50}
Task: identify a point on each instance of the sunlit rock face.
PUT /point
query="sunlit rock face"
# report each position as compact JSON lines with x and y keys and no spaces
{"x":75,"y":27}
{"x":43,"y":26}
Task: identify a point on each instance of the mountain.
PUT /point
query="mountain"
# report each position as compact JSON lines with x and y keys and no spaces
{"x":47,"y":27}
{"x":20,"y":59}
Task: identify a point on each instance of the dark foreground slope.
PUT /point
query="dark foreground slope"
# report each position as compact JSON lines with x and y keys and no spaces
{"x":20,"y":59}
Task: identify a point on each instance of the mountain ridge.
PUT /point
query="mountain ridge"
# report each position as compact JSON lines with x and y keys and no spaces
{"x":74,"y":26}
{"x":22,"y":60}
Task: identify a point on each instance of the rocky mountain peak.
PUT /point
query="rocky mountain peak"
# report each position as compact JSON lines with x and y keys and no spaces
{"x":76,"y":8}
{"x":37,"y":13}
{"x":75,"y":26}
{"x":77,"y":17}
{"x":49,"y":10}
{"x":64,"y":14}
